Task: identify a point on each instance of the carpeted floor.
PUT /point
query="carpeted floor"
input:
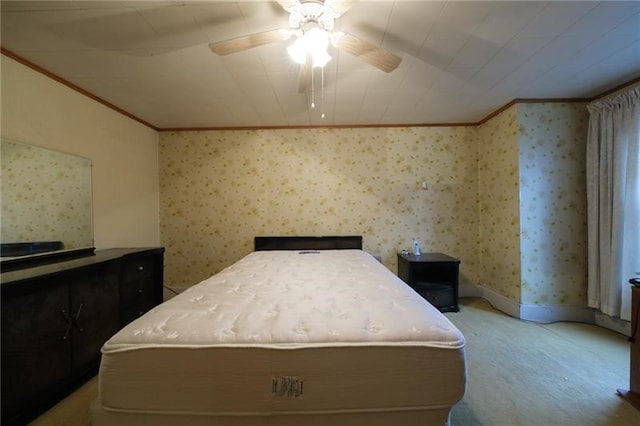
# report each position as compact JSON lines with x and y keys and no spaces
{"x":519,"y":373}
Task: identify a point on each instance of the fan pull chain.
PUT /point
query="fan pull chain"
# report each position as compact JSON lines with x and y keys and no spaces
{"x":313,"y":103}
{"x":322,"y":94}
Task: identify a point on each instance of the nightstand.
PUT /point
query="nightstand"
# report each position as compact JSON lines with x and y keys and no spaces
{"x":434,"y":276}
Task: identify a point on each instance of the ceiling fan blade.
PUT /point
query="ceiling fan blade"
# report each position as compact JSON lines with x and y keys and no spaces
{"x":379,"y":58}
{"x":250,"y":41}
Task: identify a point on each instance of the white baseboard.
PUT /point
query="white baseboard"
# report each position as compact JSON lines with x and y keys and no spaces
{"x":530,"y":312}
{"x":554,"y":313}
{"x":496,"y":300}
{"x":469,"y":290}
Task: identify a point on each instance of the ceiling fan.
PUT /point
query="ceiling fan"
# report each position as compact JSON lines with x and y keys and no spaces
{"x":312,"y":21}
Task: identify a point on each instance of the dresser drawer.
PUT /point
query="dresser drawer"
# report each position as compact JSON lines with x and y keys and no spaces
{"x":135,"y":291}
{"x":140,"y":286}
{"x":137,"y":297}
{"x":138,"y":268}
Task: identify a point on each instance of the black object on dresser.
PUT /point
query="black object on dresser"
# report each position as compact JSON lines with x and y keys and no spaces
{"x":56,"y":317}
{"x":434,"y":276}
{"x":633,"y":393}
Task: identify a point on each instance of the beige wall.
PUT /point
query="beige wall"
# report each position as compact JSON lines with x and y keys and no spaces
{"x":40,"y":111}
{"x":219,"y":189}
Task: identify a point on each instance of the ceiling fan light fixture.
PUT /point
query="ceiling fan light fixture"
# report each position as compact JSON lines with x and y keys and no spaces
{"x":311,"y":11}
{"x":320,"y":58}
{"x":326,"y":22}
{"x":296,"y":19}
{"x":298,"y":51}
{"x":312,"y":44}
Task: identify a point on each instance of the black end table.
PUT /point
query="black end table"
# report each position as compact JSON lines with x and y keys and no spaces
{"x":434,"y":276}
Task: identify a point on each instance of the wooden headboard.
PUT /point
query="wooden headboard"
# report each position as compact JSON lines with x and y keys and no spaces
{"x":308,"y":243}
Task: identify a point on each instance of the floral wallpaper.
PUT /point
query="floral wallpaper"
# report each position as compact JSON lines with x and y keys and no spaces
{"x":219,"y":189}
{"x":506,"y":197}
{"x":46,"y":196}
{"x":533,"y":203}
{"x":553,"y":202}
{"x":499,"y":213}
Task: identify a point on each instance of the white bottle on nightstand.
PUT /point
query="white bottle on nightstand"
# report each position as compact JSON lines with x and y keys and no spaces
{"x":416,"y":248}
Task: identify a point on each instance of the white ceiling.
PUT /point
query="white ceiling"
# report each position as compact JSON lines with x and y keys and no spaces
{"x":461,"y":61}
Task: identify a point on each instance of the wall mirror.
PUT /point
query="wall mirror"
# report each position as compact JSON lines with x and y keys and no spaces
{"x":46,"y":203}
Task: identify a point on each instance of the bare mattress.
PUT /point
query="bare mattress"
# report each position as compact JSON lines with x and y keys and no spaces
{"x":284,"y":337}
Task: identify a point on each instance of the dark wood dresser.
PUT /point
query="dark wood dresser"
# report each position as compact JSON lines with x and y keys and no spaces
{"x":633,"y":393}
{"x":56,"y":317}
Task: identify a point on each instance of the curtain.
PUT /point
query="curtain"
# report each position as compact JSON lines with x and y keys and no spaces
{"x":613,"y":201}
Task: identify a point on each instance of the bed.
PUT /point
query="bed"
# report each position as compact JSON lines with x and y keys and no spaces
{"x":302,"y":331}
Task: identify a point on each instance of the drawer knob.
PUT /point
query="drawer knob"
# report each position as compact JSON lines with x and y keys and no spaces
{"x":140,"y":291}
{"x":140,"y":268}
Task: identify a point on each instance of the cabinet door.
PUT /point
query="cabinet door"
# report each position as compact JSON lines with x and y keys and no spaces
{"x":35,"y":344}
{"x":93,"y":299}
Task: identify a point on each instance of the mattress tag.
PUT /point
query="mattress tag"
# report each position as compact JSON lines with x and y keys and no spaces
{"x":286,"y":387}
